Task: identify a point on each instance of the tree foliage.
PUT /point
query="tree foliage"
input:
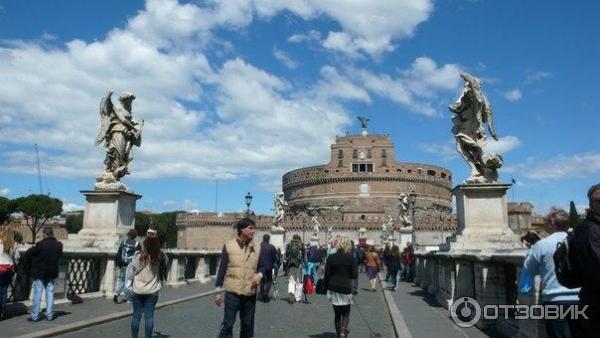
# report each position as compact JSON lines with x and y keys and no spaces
{"x":7,"y":207}
{"x":574,"y":218}
{"x":37,"y":209}
{"x":164,"y":223}
{"x":74,"y":222}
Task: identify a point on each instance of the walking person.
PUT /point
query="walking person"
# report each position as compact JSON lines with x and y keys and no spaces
{"x":294,"y":254}
{"x":149,"y":272}
{"x":237,"y":280}
{"x":44,"y":270}
{"x":373,"y":264}
{"x":408,"y":259}
{"x":266,"y":259}
{"x":585,"y":248}
{"x":125,"y":253}
{"x":394,"y":266}
{"x":540,"y":261}
{"x":340,"y":270}
{"x":313,"y":257}
{"x":9,"y":256}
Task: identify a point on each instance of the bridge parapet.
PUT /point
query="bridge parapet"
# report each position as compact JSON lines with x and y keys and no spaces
{"x":92,"y":272}
{"x":489,"y":279}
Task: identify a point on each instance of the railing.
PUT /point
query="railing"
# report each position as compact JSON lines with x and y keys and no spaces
{"x":85,"y":271}
{"x":490,"y":280}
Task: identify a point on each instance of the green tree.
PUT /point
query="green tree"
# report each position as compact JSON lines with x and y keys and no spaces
{"x":37,"y":209}
{"x":74,"y":222}
{"x":574,"y":218}
{"x":7,"y":207}
{"x":164,"y":223}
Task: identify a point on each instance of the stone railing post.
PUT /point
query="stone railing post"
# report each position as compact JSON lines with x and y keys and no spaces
{"x":201,"y":269}
{"x":107,"y":275}
{"x":174,"y":271}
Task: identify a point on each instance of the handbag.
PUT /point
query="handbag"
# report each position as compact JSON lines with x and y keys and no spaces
{"x":308,"y":285}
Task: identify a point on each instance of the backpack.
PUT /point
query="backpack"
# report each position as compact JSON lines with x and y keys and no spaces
{"x":566,"y":273}
{"x":128,"y":251}
{"x":294,"y":253}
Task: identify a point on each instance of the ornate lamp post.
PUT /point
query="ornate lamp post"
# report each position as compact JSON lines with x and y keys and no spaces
{"x":412,"y":200}
{"x":248,"y":198}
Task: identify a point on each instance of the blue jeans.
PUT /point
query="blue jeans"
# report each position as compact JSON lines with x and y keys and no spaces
{"x":121,"y":281}
{"x":3,"y":297}
{"x":39,"y":285}
{"x":145,"y":304}
{"x":312,"y":269}
{"x":246,"y":306}
{"x":394,"y":277}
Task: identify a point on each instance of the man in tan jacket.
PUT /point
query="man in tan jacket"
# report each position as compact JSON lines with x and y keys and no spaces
{"x":237,"y":280}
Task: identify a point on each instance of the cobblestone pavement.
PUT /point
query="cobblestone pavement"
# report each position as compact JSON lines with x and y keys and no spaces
{"x":201,"y":318}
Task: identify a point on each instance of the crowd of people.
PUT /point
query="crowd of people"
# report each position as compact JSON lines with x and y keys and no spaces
{"x":246,"y":273}
{"x":567,"y":260}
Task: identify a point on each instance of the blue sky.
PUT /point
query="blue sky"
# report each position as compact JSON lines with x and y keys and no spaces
{"x":242,"y":91}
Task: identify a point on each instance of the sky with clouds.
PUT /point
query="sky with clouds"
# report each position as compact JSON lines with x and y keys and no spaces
{"x":235,"y":93}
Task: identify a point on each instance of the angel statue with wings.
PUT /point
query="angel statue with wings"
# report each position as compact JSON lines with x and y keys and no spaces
{"x":119,"y":133}
{"x":280,"y":205}
{"x":471,"y":111}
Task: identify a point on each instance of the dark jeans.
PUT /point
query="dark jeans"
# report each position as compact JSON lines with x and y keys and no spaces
{"x":265,"y":287}
{"x":145,"y":304}
{"x":563,"y":328}
{"x":394,"y":276}
{"x":246,"y":306}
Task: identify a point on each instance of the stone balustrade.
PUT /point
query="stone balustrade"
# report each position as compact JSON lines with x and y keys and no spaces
{"x":88,"y":270}
{"x":489,"y":279}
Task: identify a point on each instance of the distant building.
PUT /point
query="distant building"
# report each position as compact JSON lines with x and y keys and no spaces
{"x":359,"y":188}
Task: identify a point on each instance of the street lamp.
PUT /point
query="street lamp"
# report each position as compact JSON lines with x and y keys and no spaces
{"x":412,"y":199}
{"x":248,"y":198}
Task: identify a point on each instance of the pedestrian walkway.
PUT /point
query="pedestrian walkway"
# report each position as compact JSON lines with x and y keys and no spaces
{"x":424,"y":317}
{"x":276,"y":319}
{"x":72,"y":316}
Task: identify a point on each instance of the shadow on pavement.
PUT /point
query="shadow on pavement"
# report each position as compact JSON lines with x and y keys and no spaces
{"x":324,"y":335}
{"x":427,"y":298}
{"x":157,"y":334}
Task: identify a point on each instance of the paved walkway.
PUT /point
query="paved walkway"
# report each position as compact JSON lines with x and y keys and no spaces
{"x":424,"y":317}
{"x":69,"y":315}
{"x":276,"y":319}
{"x":189,"y":312}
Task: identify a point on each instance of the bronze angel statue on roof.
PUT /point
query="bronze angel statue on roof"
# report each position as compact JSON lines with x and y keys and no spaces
{"x":471,"y":111}
{"x":119,"y":133}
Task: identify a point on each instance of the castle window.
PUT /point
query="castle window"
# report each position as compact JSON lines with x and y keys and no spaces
{"x":340,"y":163}
{"x":409,"y":171}
{"x":443,"y":175}
{"x":384,"y":163}
{"x":383,"y":153}
{"x":369,"y":153}
{"x":326,"y":171}
{"x":362,"y":167}
{"x":340,"y":153}
{"x":431,"y":172}
{"x":354,"y":153}
{"x":363,"y":217}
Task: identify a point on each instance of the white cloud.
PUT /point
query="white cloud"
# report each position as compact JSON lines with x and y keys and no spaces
{"x":311,"y":36}
{"x":513,"y":95}
{"x":417,"y":87}
{"x":190,"y":206}
{"x":446,"y":151}
{"x":4,"y":192}
{"x":284,"y":58}
{"x":503,"y":145}
{"x":576,"y":165}
{"x":536,"y":76}
{"x":70,"y":207}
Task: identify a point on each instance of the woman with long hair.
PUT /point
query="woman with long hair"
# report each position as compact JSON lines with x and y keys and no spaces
{"x":394,"y":265}
{"x":8,"y":257}
{"x":341,"y":268}
{"x":149,"y":274}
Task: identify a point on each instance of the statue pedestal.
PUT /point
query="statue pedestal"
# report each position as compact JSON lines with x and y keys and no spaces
{"x":108,"y":215}
{"x":278,"y":237}
{"x":406,"y":234}
{"x":482,"y":219}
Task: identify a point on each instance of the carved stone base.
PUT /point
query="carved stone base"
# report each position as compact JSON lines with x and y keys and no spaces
{"x":106,"y":181}
{"x":108,"y":215}
{"x":278,"y":237}
{"x":482,"y":219}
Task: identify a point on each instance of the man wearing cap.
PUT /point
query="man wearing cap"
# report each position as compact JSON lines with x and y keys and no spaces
{"x":238,"y":277}
{"x":586,"y":253}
